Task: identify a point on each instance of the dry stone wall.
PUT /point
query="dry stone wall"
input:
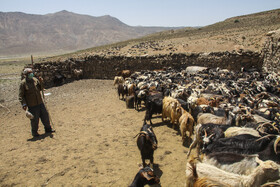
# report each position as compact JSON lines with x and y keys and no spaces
{"x":106,"y":67}
{"x":271,"y":52}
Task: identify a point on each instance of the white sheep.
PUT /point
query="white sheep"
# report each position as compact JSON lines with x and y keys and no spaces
{"x":234,"y":131}
{"x":266,"y":171}
{"x":204,"y":118}
{"x":233,"y":162}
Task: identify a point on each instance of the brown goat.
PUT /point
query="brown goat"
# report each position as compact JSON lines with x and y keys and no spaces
{"x":215,"y":101}
{"x":131,"y":89}
{"x":124,"y":73}
{"x":186,"y":124}
{"x":202,"y":101}
{"x":172,"y":109}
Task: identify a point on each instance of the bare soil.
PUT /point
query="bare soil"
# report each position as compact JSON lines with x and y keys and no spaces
{"x":94,"y":143}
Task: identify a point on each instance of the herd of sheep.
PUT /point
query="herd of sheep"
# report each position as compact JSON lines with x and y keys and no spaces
{"x":229,"y":120}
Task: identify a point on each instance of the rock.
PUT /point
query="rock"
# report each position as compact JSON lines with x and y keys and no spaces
{"x":194,"y":69}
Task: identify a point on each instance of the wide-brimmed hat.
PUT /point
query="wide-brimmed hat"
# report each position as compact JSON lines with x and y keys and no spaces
{"x":27,"y":70}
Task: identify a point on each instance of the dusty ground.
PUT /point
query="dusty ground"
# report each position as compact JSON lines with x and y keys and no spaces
{"x":93,"y":145}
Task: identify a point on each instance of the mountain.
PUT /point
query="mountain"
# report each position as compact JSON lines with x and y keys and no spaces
{"x":22,"y":34}
{"x":244,"y":32}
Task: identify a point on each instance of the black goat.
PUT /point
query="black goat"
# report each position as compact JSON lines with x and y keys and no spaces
{"x":266,"y":147}
{"x":211,"y":132}
{"x":201,"y":109}
{"x":206,"y":134}
{"x":147,"y":143}
{"x":185,"y":105}
{"x":143,"y":177}
{"x":153,"y":106}
{"x":58,"y":79}
{"x":245,"y":143}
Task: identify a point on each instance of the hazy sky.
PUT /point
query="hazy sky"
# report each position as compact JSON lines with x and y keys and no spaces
{"x":147,"y":12}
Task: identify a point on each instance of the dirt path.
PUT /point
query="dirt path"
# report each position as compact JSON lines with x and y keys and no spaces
{"x":93,"y":145}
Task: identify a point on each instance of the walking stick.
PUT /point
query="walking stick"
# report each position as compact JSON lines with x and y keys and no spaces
{"x":44,"y":100}
{"x":43,"y":95}
{"x":32,"y":61}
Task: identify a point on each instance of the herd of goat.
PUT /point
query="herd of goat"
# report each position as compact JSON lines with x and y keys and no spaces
{"x":229,"y":120}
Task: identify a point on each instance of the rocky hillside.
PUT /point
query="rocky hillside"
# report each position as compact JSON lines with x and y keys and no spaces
{"x":62,"y":32}
{"x":246,"y":32}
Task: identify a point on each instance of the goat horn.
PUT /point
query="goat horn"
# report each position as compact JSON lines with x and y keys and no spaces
{"x":266,"y":136}
{"x":141,"y":132}
{"x":136,"y":135}
{"x":260,"y":126}
{"x":275,"y":144}
{"x":273,"y":125}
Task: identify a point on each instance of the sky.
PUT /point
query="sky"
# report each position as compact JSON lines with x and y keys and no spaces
{"x":170,"y":13}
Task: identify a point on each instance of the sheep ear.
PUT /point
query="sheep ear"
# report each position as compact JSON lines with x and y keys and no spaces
{"x":146,"y":176}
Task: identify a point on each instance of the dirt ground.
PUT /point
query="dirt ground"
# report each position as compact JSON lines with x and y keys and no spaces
{"x":94,"y":144}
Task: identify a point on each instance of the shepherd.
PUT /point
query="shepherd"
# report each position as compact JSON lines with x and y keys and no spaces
{"x":32,"y":102}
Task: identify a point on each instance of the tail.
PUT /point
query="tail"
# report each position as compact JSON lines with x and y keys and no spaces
{"x":194,"y":181}
{"x":193,"y":169}
{"x":191,"y":174}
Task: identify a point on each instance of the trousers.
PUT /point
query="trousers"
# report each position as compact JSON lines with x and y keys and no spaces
{"x":39,"y":112}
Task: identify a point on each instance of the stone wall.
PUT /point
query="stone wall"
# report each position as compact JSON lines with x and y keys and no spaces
{"x":106,"y":67}
{"x":271,"y":52}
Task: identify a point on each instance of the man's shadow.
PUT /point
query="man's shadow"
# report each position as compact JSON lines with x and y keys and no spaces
{"x":40,"y":137}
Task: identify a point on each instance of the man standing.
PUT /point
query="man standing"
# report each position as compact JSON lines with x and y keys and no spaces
{"x":31,"y":99}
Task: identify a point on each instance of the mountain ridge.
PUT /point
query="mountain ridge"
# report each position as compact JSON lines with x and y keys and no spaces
{"x":63,"y":31}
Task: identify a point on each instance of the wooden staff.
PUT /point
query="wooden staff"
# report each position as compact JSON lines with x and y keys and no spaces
{"x":32,"y":62}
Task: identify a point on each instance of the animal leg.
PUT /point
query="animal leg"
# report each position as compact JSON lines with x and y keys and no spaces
{"x":193,"y":144}
{"x":162,"y":117}
{"x":184,"y":136}
{"x":152,"y":162}
{"x":173,"y":123}
{"x":144,"y":163}
{"x":182,"y":130}
{"x":138,"y":108}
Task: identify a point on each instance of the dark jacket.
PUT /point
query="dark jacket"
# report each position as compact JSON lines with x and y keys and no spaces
{"x":29,"y":92}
